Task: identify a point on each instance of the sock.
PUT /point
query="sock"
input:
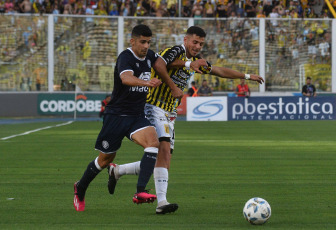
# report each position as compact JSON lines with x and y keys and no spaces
{"x":90,"y":173}
{"x":161,"y":183}
{"x":129,"y":169}
{"x":146,"y":167}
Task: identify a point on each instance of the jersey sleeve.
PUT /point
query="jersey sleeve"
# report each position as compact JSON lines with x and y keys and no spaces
{"x":170,"y":54}
{"x":124,"y":63}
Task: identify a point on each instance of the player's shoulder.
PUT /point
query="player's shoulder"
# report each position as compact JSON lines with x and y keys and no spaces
{"x":177,"y":49}
{"x":127,"y":53}
{"x":150,"y":52}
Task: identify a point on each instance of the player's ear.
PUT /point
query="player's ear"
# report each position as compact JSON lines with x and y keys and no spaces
{"x":132,"y":41}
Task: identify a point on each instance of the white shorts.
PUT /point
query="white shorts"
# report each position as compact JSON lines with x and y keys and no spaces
{"x":163,"y":121}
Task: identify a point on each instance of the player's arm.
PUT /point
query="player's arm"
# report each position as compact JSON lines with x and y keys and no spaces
{"x":127,"y":78}
{"x":160,"y":68}
{"x":304,"y":91}
{"x":194,"y":65}
{"x":233,"y":74}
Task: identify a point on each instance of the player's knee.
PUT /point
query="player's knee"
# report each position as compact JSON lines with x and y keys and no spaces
{"x":105,"y":159}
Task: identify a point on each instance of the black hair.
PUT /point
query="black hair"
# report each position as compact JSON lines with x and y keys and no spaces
{"x":196,"y":30}
{"x":308,"y":78}
{"x":141,"y":30}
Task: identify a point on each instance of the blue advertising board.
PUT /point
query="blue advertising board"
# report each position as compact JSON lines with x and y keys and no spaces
{"x":281,"y":108}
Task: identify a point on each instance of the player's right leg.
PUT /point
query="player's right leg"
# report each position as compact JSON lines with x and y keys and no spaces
{"x":164,"y":124}
{"x":161,"y":178}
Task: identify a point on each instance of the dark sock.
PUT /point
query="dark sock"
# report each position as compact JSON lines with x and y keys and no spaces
{"x":146,"y":170}
{"x":90,"y":173}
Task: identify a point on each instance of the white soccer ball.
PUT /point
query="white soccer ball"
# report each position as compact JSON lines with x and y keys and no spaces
{"x":257,"y":210}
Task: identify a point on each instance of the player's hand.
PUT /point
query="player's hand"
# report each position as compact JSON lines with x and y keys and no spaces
{"x":195,"y":65}
{"x":257,"y":78}
{"x":154,"y":82}
{"x":177,"y":92}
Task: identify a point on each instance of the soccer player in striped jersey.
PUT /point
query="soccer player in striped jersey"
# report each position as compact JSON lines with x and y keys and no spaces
{"x":182,"y":61}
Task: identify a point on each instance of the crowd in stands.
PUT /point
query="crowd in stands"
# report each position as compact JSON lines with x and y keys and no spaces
{"x":169,"y":8}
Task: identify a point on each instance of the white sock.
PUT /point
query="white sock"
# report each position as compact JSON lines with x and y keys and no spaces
{"x":129,"y":169}
{"x":161,"y":183}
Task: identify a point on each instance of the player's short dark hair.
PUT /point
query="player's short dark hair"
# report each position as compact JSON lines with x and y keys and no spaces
{"x":308,"y":78}
{"x":141,"y":30}
{"x":196,"y":30}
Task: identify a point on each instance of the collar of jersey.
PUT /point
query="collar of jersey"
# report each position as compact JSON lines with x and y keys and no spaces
{"x":185,"y":51}
{"x":140,"y":59}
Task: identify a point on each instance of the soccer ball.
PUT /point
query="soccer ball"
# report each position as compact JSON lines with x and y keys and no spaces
{"x":257,"y":210}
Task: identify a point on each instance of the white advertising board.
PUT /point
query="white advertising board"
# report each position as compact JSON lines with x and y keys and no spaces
{"x":207,"y":109}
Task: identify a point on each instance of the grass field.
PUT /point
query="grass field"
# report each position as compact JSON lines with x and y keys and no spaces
{"x":216,"y":168}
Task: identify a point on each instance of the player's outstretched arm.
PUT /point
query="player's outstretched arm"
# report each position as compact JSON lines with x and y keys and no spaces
{"x":127,"y":78}
{"x":160,"y":68}
{"x":233,"y":74}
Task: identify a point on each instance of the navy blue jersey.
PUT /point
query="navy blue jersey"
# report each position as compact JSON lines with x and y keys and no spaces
{"x":130,"y":100}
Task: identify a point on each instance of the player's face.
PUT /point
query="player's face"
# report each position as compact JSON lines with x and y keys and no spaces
{"x":193,"y":44}
{"x":140,"y":45}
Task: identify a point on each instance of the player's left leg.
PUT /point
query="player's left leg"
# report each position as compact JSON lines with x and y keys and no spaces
{"x":92,"y":170}
{"x":116,"y":171}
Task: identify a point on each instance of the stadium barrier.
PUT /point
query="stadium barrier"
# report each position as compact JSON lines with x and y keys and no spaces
{"x":216,"y":108}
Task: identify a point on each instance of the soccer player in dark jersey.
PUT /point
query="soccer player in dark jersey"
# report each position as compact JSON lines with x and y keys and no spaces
{"x":161,"y":107}
{"x":124,"y":115}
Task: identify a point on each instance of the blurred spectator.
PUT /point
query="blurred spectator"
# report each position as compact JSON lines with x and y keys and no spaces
{"x":79,"y":7}
{"x":26,"y":6}
{"x":153,"y":9}
{"x":268,"y":7}
{"x":250,"y":9}
{"x":260,"y":14}
{"x":204,"y":90}
{"x":221,"y":9}
{"x":197,"y":9}
{"x":309,"y":89}
{"x":113,"y":8}
{"x":274,"y":14}
{"x":192,"y":91}
{"x":89,"y":11}
{"x":172,"y":11}
{"x":104,"y":104}
{"x":209,"y":9}
{"x":186,"y":10}
{"x":242,"y":90}
{"x":140,"y":10}
{"x":324,"y":48}
{"x":101,"y":10}
{"x":8,"y":5}
{"x":47,"y":6}
{"x":126,"y":8}
{"x":37,"y":7}
{"x":2,"y":7}
{"x":162,"y":10}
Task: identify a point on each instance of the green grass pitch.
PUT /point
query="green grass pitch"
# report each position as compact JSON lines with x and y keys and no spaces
{"x":216,"y":168}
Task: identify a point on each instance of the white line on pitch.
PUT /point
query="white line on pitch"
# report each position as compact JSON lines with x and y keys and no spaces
{"x":36,"y":130}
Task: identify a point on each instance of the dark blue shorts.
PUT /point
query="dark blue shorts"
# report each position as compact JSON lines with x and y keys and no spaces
{"x":115,"y":128}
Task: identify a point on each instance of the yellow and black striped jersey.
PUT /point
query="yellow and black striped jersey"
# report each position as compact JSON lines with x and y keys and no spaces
{"x":161,"y":95}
